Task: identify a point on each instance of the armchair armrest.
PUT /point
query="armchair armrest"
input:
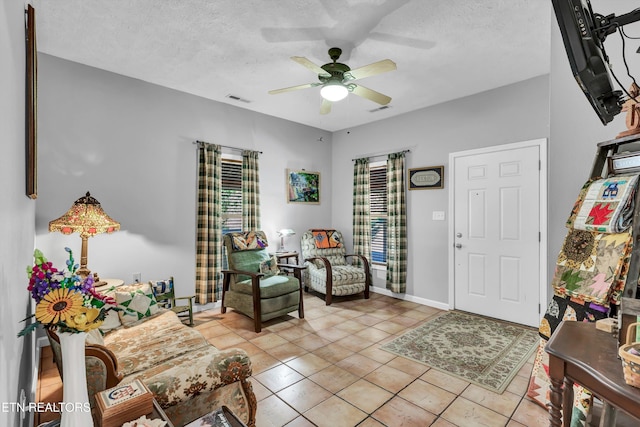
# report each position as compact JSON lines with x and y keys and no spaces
{"x":246,"y":273}
{"x":329,"y":273}
{"x":293,"y":266}
{"x":324,"y":260}
{"x":367,"y":272}
{"x":362,"y":258}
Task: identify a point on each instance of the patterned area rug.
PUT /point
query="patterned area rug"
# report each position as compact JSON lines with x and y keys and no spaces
{"x":483,"y":351}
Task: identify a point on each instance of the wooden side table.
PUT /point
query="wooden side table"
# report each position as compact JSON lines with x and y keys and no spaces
{"x":286,"y":255}
{"x":578,"y":352}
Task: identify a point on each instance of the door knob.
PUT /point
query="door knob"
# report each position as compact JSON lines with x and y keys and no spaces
{"x":458,"y":245}
{"x":458,"y":234}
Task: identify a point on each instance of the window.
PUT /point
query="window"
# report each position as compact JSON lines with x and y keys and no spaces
{"x":231,"y":196}
{"x":378,"y":213}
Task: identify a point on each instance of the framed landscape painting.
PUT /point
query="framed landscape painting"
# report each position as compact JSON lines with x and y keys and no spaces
{"x":303,"y":186}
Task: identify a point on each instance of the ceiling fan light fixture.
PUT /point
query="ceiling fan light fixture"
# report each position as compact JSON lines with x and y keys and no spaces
{"x":334,"y":91}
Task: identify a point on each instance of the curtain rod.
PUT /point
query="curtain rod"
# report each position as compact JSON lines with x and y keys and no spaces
{"x":226,"y":146}
{"x":373,"y":156}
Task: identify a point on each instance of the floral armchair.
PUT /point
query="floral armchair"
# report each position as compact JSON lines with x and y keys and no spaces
{"x":328,"y":271}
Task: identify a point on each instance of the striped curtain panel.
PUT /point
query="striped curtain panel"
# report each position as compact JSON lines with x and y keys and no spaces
{"x":396,"y":225}
{"x":361,"y":218}
{"x":250,"y":191}
{"x":209,"y":232}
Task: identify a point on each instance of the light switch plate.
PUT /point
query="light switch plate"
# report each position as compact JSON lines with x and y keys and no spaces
{"x":438,"y":215}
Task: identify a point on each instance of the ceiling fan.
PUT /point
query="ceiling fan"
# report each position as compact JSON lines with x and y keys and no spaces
{"x":337,"y":80}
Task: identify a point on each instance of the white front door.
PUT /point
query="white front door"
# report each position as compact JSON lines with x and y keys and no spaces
{"x":496,"y":228}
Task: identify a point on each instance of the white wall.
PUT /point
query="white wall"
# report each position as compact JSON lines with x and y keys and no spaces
{"x":512,"y":113}
{"x":17,"y":214}
{"x":130,"y":144}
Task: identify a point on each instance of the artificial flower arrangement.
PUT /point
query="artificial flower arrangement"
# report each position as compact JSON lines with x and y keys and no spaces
{"x":64,"y":300}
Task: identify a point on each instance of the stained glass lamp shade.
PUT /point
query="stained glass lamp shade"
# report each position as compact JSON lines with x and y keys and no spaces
{"x":87,"y":218}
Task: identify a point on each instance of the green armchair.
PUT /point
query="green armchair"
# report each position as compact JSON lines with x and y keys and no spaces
{"x":253,"y":283}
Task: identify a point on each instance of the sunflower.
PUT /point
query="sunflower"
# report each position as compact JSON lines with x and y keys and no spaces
{"x":85,"y":319}
{"x":58,"y":306}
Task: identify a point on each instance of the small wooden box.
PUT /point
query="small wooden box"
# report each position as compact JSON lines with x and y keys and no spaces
{"x":122,"y":403}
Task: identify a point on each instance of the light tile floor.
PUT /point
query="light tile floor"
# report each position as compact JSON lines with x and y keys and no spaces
{"x":328,"y":370}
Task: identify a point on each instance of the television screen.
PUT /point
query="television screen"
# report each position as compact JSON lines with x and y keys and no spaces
{"x":587,"y":57}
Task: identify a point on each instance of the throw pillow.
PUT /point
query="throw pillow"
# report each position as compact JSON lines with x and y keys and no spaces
{"x":159,"y":287}
{"x":248,"y":240}
{"x":325,"y":239}
{"x":112,"y":320}
{"x":270,"y":267}
{"x":136,"y":302}
{"x":94,"y":336}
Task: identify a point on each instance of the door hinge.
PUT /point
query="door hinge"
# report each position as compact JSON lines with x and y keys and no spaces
{"x":539,"y":236}
{"x":539,"y":165}
{"x":538,"y":308}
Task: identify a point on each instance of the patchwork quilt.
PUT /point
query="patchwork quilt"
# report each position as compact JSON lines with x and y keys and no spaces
{"x":591,"y":271}
{"x":605,"y":205}
{"x":592,"y":266}
{"x":248,"y":240}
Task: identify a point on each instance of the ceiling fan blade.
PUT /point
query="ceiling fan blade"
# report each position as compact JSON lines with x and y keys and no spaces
{"x":288,"y":89}
{"x":310,"y":65}
{"x":371,"y":95}
{"x":325,"y":108}
{"x":371,"y":70}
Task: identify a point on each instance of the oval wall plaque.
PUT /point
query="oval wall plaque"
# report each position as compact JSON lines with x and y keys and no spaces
{"x":425,"y":178}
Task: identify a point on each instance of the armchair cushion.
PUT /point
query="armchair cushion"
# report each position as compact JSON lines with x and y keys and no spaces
{"x":248,"y":240}
{"x":245,"y":260}
{"x":270,"y":287}
{"x":164,"y":337}
{"x":325,"y":239}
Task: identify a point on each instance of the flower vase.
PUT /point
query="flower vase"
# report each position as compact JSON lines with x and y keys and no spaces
{"x":76,"y":411}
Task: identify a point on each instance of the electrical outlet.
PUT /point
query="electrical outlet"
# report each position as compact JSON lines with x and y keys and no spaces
{"x":137,"y":277}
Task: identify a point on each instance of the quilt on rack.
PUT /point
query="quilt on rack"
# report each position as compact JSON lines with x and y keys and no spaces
{"x":590,"y":275}
{"x":592,"y":266}
{"x":605,"y":205}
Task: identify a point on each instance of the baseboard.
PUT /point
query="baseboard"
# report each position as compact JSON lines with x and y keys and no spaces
{"x":208,"y":306}
{"x":411,"y":298}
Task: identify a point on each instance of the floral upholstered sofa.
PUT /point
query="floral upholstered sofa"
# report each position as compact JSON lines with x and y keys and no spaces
{"x":186,"y":374}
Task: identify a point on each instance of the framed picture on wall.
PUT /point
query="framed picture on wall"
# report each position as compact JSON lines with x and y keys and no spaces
{"x":427,"y":178}
{"x":303,"y":186}
{"x":31,"y":116}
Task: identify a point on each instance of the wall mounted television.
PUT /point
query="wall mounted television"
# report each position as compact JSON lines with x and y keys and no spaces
{"x":583,"y":33}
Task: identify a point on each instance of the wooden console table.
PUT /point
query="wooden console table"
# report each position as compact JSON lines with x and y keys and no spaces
{"x":578,"y":352}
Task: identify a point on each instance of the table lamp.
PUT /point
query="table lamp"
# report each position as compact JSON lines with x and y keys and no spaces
{"x":285,"y":232}
{"x":87,"y":218}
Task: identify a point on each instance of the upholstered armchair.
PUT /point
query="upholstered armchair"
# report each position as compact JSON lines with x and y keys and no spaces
{"x":328,"y":271}
{"x":254,"y":285}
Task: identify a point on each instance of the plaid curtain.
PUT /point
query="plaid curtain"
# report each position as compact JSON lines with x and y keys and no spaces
{"x":396,"y":225}
{"x":209,"y":232}
{"x":250,"y":191}
{"x":361,"y":218}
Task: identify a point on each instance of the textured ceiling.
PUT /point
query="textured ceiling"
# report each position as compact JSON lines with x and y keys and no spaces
{"x":444,"y":49}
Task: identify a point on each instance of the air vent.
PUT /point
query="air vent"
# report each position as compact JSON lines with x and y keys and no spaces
{"x":384,"y":107}
{"x":237,"y":98}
